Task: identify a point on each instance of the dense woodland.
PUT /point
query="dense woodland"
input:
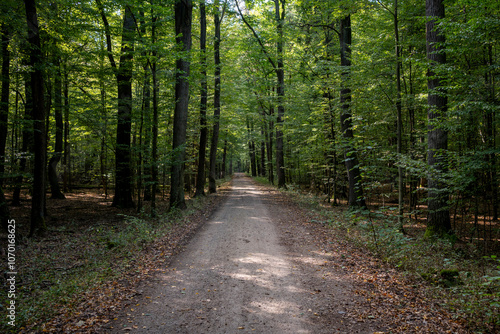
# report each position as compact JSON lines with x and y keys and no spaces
{"x":364,"y":102}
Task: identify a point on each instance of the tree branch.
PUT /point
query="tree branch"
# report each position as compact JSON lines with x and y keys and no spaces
{"x":107,"y":31}
{"x":256,"y":36}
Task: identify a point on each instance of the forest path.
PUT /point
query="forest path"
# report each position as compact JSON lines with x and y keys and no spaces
{"x":250,"y":269}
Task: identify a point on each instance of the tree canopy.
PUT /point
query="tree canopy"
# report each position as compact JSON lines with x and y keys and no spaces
{"x":342,"y":98}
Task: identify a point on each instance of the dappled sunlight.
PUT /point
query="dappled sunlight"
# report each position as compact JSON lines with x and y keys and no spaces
{"x":264,"y":259}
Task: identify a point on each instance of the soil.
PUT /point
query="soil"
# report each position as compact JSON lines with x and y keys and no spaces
{"x":260,"y":264}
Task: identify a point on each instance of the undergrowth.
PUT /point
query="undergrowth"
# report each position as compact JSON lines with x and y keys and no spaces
{"x":57,"y":270}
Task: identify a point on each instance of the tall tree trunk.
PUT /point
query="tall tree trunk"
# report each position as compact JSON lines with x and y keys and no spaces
{"x":251,"y":148}
{"x":200,"y":176}
{"x":215,"y":131}
{"x":401,"y":187}
{"x":270,"y":146}
{"x":356,"y":198}
{"x":280,"y":160}
{"x":123,"y":73}
{"x":40,"y":144}
{"x":490,"y":132}
{"x":4,"y":103}
{"x":154,"y":130}
{"x":145,"y":112}
{"x":438,"y":222}
{"x":66,"y":157}
{"x":262,"y":152}
{"x":224,"y":157}
{"x":123,"y":161}
{"x":58,"y":147}
{"x":183,"y":17}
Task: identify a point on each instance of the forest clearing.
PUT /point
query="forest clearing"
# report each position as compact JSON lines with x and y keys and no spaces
{"x":369,"y":129}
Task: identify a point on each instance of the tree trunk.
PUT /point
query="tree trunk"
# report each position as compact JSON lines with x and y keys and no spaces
{"x":270,"y":146}
{"x":40,"y":144}
{"x":215,"y":131}
{"x":4,"y":103}
{"x":280,"y":160}
{"x":200,"y":176}
{"x":356,"y":198}
{"x":67,"y":153}
{"x":224,"y":157}
{"x":183,"y":17}
{"x":262,"y":152}
{"x":154,"y":130}
{"x":399,"y":136}
{"x":251,"y":149}
{"x":438,"y":222}
{"x":123,"y":182}
{"x":58,"y":147}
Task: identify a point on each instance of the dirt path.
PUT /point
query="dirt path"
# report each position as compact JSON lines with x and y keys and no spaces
{"x":250,"y":269}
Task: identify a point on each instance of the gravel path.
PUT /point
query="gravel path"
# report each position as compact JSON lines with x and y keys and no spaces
{"x":245,"y":272}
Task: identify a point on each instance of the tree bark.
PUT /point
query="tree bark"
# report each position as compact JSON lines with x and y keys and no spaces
{"x":356,"y":198}
{"x":183,"y":17}
{"x":217,"y":91}
{"x":200,"y":176}
{"x":37,"y":225}
{"x":438,"y":221}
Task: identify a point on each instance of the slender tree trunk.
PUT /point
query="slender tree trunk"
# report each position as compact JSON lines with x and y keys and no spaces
{"x":438,"y":222}
{"x":58,"y":147}
{"x":490,"y":131}
{"x":224,"y":157}
{"x":262,"y":152}
{"x":356,"y":198}
{"x":251,"y":149}
{"x":4,"y":103}
{"x":270,"y":146}
{"x":200,"y":176}
{"x":217,"y":91}
{"x":280,"y":160}
{"x":401,"y":187}
{"x":154,"y":130}
{"x":183,"y":17}
{"x":145,"y":111}
{"x":66,"y":157}
{"x":40,"y":143}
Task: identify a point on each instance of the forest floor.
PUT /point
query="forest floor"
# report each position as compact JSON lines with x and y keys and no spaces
{"x":256,"y":262}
